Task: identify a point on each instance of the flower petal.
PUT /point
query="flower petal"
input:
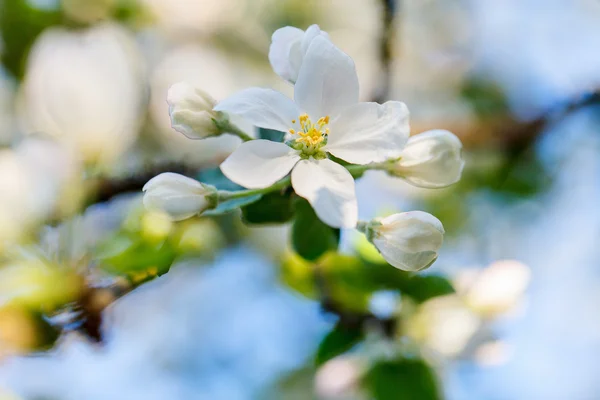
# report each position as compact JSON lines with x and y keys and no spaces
{"x":285,"y":52}
{"x":369,"y":132}
{"x":409,"y":241}
{"x":431,"y":159}
{"x":265,"y":108}
{"x":177,"y":195}
{"x":259,"y":163}
{"x":329,"y":188}
{"x":327,"y":82}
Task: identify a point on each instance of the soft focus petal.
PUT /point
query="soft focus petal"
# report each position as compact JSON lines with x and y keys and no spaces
{"x":369,"y":132}
{"x":84,"y":87}
{"x":329,"y":188}
{"x":409,"y":241}
{"x":259,"y":163}
{"x":191,"y":111}
{"x":288,"y":48}
{"x":285,"y":54}
{"x":264,"y":108}
{"x":327,"y":82}
{"x":177,"y":195}
{"x":431,"y":159}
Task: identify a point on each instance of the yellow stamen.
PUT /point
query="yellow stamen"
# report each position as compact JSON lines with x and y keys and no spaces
{"x":311,"y":135}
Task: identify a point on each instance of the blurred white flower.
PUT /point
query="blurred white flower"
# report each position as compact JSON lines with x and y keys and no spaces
{"x":84,"y":87}
{"x":178,"y":196}
{"x":431,"y":159}
{"x":361,"y":133}
{"x":409,"y":241}
{"x":443,"y":324}
{"x":7,"y":120}
{"x":38,"y":178}
{"x":288,"y":48}
{"x":339,"y":378}
{"x":191,"y":111}
{"x":497,"y":289}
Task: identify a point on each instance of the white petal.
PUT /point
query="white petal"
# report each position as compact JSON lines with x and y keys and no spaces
{"x":409,"y":241}
{"x":264,"y":108}
{"x":285,"y":52}
{"x":311,"y":33}
{"x":259,"y":163}
{"x":327,"y":82}
{"x":431,"y":159}
{"x":177,"y":195}
{"x":329,"y":188}
{"x":191,"y":111}
{"x":288,"y":47}
{"x":369,"y":132}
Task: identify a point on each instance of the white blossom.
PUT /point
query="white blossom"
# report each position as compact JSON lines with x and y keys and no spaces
{"x":84,"y":87}
{"x":431,"y":159}
{"x":178,"y":196}
{"x":409,"y":241}
{"x":288,"y":49}
{"x":324,"y":118}
{"x":191,"y":111}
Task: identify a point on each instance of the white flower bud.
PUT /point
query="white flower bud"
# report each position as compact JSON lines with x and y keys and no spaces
{"x":409,"y":241}
{"x":191,"y":111}
{"x":431,"y":159}
{"x":178,"y":196}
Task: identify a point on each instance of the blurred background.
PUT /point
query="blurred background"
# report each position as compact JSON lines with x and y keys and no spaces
{"x":88,"y":310}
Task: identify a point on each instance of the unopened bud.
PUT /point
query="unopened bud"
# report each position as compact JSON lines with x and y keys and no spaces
{"x":178,"y":196}
{"x":191,"y":111}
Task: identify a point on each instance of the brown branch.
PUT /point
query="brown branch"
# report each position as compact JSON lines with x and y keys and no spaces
{"x":386,"y":45}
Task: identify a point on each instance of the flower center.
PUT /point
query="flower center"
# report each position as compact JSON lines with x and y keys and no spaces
{"x":312,"y":136}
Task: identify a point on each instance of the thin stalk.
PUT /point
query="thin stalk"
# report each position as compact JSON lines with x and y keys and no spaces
{"x":355,"y":171}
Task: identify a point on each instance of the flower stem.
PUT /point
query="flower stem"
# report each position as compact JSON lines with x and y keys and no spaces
{"x":227,"y":127}
{"x":224,"y":195}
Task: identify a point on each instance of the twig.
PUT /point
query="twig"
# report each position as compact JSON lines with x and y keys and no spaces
{"x":386,"y":43}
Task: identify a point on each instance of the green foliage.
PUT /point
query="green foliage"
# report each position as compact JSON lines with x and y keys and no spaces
{"x":311,"y":237}
{"x":272,"y":208}
{"x":341,"y":339}
{"x":486,"y":98}
{"x":422,"y":288}
{"x":20,"y":24}
{"x":299,"y":275}
{"x":271,"y":134}
{"x":402,"y":379}
{"x":129,"y":253}
{"x":349,"y":281}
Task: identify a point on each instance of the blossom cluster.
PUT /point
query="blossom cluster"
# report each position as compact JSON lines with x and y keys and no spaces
{"x":330,"y":137}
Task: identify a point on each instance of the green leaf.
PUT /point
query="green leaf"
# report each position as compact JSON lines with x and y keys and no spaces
{"x":271,"y":134}
{"x":311,"y":237}
{"x":402,"y":379}
{"x":347,"y":281}
{"x":337,"y":342}
{"x":299,"y":275}
{"x":424,"y":287}
{"x":233,"y":204}
{"x":20,"y":24}
{"x":272,"y":208}
{"x":126,"y":254}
